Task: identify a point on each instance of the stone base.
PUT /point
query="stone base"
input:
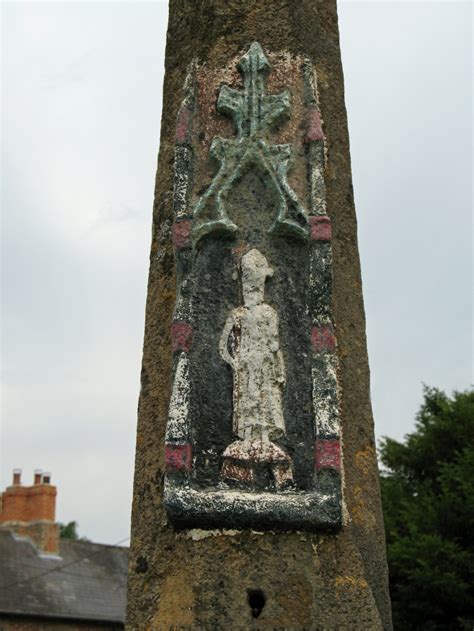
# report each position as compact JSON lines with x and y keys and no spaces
{"x":321,"y":508}
{"x":257,"y":463}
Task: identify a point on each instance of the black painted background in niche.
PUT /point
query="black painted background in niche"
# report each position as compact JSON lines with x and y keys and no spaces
{"x":252,"y":206}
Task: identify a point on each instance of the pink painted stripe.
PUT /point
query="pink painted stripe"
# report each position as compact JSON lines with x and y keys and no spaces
{"x":327,"y":454}
{"x":314,"y":129}
{"x":182,"y":126}
{"x":323,"y":338}
{"x":181,"y":233}
{"x":320,"y":227}
{"x":178,"y":457}
{"x":181,"y":336}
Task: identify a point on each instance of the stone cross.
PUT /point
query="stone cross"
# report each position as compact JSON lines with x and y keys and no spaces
{"x":254,"y":114}
{"x":256,"y":486}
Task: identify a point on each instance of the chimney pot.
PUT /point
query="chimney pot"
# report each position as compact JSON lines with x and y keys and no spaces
{"x":38,"y":476}
{"x":46,"y":477}
{"x":16,"y":477}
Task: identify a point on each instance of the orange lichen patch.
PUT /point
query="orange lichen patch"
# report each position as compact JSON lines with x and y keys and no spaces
{"x":323,"y":79}
{"x":168,"y":295}
{"x":343,"y":351}
{"x":351,"y":582}
{"x":360,"y":507}
{"x":365,"y":460}
{"x":175,"y":608}
{"x":359,"y":510}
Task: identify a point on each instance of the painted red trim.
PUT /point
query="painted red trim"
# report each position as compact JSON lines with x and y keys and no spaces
{"x":182,"y":125}
{"x":314,"y":130}
{"x":181,"y":336}
{"x":320,"y":226}
{"x":327,"y":454}
{"x":181,"y":233}
{"x":178,"y":457}
{"x":323,"y":338}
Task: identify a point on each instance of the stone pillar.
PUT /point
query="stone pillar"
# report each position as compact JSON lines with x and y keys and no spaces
{"x":256,"y":498}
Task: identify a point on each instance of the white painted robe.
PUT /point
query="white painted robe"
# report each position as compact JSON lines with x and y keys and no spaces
{"x":259,"y":371}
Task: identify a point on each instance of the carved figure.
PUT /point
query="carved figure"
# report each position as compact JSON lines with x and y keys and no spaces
{"x":280,"y":467}
{"x":250,"y":344}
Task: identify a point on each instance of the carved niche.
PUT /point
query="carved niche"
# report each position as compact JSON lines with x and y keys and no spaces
{"x":252,"y":437}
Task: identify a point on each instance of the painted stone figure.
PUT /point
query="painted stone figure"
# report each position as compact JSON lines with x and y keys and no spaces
{"x":251,"y":332}
{"x":253,"y":437}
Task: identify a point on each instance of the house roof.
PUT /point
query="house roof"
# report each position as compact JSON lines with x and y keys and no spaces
{"x":92,"y":587}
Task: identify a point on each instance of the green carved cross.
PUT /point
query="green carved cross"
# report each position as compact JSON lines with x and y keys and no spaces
{"x":253,"y":111}
{"x":254,"y":114}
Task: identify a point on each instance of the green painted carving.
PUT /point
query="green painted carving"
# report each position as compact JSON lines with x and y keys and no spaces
{"x":255,"y":115}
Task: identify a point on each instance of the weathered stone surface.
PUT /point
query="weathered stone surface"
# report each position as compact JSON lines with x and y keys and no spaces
{"x":203,"y":579}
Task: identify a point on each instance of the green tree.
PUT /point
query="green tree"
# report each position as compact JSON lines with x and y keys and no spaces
{"x":428,"y":501}
{"x":69,"y":531}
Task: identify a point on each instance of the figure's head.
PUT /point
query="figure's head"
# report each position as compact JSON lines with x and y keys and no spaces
{"x":255,"y":270}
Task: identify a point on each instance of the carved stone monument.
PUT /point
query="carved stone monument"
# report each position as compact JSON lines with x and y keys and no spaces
{"x":254,"y":443}
{"x":246,"y":506}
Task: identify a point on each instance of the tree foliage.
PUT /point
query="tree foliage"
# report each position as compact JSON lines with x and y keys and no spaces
{"x":428,"y":501}
{"x":69,"y":531}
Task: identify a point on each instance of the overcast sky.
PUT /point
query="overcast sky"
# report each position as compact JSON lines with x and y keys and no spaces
{"x":81,"y":107}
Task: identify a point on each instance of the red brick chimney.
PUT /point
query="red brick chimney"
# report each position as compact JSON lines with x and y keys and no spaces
{"x":30,"y":510}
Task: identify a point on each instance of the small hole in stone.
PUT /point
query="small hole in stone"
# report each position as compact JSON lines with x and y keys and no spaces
{"x":256,"y":599}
